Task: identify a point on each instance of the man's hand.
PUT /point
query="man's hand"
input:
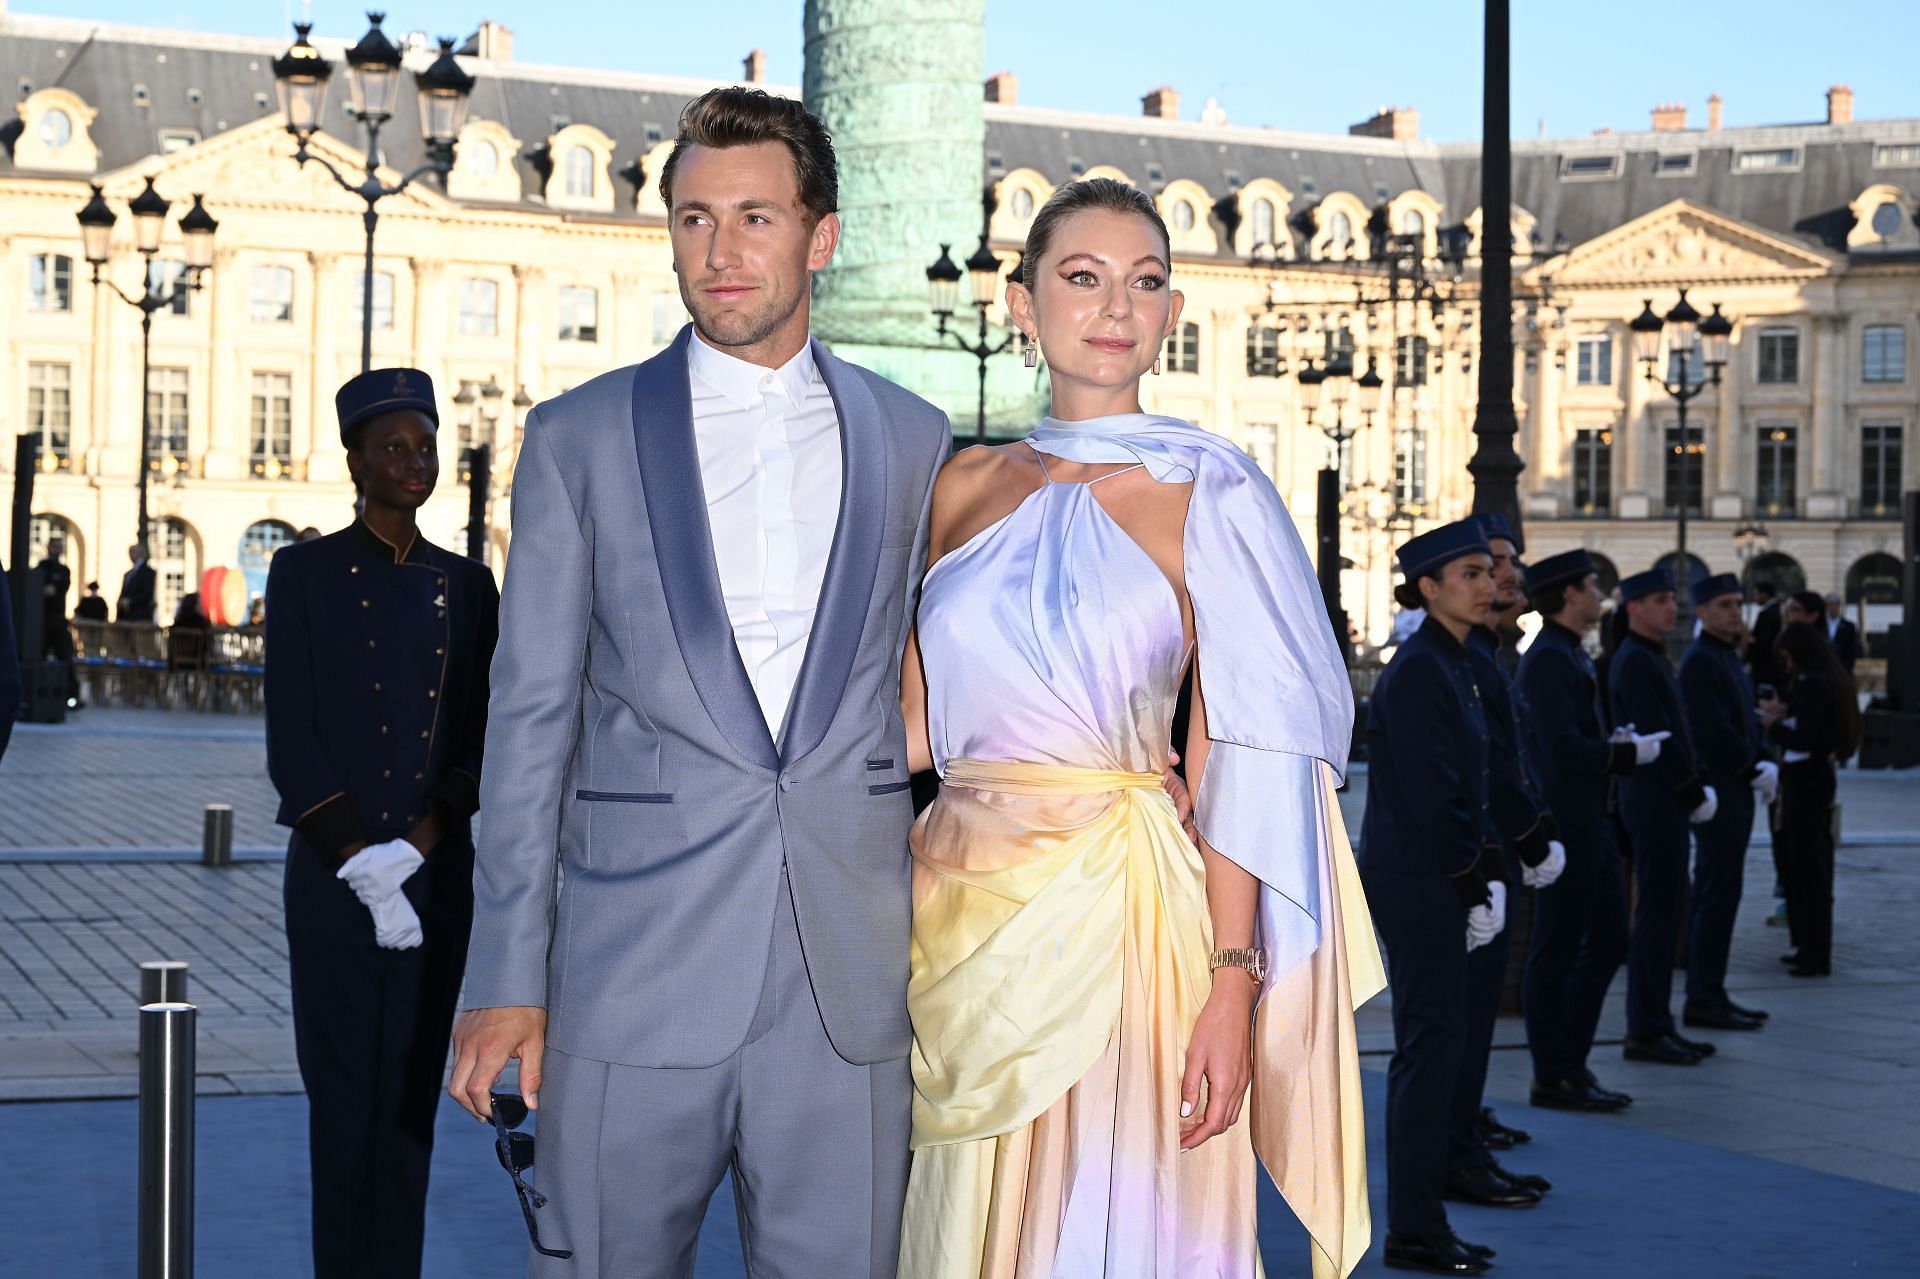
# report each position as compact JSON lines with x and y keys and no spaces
{"x":1221,"y":1052}
{"x":1485,"y":922}
{"x":1646,"y":746}
{"x":1548,"y":871}
{"x":1766,"y":781}
{"x":1708,"y":807}
{"x":484,"y":1039}
{"x":1182,"y":798}
{"x":376,"y":873}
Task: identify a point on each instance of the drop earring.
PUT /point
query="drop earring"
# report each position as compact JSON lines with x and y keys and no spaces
{"x":1156,"y":366}
{"x":1032,"y":356}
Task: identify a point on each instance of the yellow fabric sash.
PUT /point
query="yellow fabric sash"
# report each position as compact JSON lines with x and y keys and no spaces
{"x":1017,"y":980}
{"x":1016,"y":969}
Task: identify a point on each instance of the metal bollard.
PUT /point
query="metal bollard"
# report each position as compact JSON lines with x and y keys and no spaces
{"x":163,"y":981}
{"x":216,"y":836}
{"x":166,"y":1140}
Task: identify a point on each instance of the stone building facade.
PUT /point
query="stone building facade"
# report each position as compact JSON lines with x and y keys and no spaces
{"x":543,"y":260}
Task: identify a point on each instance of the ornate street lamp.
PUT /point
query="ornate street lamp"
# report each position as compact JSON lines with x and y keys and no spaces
{"x":373,"y":83}
{"x":983,"y":282}
{"x":149,"y":210}
{"x":1688,"y":335}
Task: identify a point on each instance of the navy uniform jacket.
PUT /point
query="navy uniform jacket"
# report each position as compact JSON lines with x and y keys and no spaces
{"x":376,"y":685}
{"x":1427,"y":761}
{"x":1646,"y":695}
{"x":1516,"y":805}
{"x":1720,"y":711}
{"x":1560,"y":691}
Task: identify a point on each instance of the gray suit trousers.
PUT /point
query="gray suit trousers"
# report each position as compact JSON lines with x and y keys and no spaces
{"x":628,"y":1156}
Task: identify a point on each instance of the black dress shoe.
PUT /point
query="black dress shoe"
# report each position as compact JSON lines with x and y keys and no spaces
{"x":1611,"y":1094}
{"x":1477,"y":1249}
{"x":1758,"y":1014}
{"x":1525,"y":1180}
{"x":1698,"y":1047}
{"x":1487,"y":1188}
{"x":1663,"y":1051}
{"x":1572,"y":1094}
{"x":1492,"y":1131}
{"x":1719,"y":1019}
{"x":1806,"y":969}
{"x":1436,"y":1254}
{"x":1791,"y":957}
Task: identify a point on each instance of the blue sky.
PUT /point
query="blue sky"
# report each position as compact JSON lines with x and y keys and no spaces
{"x":1320,"y":67}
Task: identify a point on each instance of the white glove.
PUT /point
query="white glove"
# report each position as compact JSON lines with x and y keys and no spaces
{"x":1549,"y":869}
{"x":1766,"y":781}
{"x":376,"y":872}
{"x":1708,"y":807}
{"x":396,"y":925}
{"x":1646,"y":747}
{"x":1485,"y":922}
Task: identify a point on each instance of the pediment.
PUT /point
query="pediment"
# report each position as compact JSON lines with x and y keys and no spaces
{"x":1686,"y":243}
{"x":253,"y":165}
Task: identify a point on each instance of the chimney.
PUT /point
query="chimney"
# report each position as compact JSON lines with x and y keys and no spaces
{"x":1839,"y":105}
{"x":1003,"y":87}
{"x":1162,"y":104}
{"x":1402,"y":124}
{"x":753,"y":68}
{"x":1670,"y":117}
{"x":1714,"y":104}
{"x":493,"y":41}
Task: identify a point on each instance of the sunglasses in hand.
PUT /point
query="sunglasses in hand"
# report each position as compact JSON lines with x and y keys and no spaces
{"x":507,"y":1113}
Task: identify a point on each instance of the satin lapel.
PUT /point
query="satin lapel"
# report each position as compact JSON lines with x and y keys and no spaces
{"x":683,"y":545}
{"x":841,"y":617}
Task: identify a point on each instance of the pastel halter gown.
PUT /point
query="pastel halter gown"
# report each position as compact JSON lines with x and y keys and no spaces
{"x":1061,"y":931}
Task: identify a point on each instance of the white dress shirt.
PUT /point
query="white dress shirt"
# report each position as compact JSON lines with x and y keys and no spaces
{"x":769,"y":444}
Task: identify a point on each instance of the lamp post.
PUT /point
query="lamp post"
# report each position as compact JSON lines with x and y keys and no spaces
{"x":943,"y":289}
{"x":477,"y":410}
{"x":1686,"y":335}
{"x":149,"y":212}
{"x":373,"y":78}
{"x":1328,"y":384}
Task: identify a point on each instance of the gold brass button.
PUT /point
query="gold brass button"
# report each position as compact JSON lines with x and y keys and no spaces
{"x":383,"y":730}
{"x":419,"y":777}
{"x":353,"y":568}
{"x":423,"y":732}
{"x":386,"y":772}
{"x":376,"y":686}
{"x":383,"y":817}
{"x":433,"y":692}
{"x":366,"y":603}
{"x":372,"y":644}
{"x":439,"y":652}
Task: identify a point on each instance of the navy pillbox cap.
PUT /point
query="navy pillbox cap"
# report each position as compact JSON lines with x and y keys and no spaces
{"x":1438,"y":547}
{"x":1640,"y":585}
{"x":384,"y":391}
{"x":1559,"y":570}
{"x":1719,"y":584}
{"x":1496,"y":526}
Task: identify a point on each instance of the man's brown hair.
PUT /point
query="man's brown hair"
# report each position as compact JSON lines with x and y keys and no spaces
{"x":739,"y":117}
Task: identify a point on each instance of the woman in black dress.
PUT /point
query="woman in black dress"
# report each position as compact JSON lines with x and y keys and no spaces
{"x":1818,"y":723}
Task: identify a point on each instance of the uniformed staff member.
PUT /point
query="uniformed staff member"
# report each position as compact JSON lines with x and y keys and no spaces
{"x":1724,"y":724}
{"x":378,"y":646}
{"x":1534,"y":859}
{"x":1580,"y":927}
{"x":1427,"y":866}
{"x":1658,"y":805}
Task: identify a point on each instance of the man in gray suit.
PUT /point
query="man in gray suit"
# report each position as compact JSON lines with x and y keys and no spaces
{"x":691,"y":893}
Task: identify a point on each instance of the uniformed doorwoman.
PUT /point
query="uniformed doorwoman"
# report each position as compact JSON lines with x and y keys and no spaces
{"x":1426,"y":855}
{"x":1659,"y":805}
{"x":378,"y":645}
{"x":1580,"y":927}
{"x":1725,"y":726}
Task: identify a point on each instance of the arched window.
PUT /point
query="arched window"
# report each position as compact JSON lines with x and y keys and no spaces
{"x":1604,"y":570}
{"x":1775,"y":569}
{"x":1874,"y":579}
{"x":1262,"y":222}
{"x":580,"y":172}
{"x":1182,"y":216}
{"x":1022,"y":204}
{"x":1339,"y":234}
{"x":1413,"y":222}
{"x":257,"y":547}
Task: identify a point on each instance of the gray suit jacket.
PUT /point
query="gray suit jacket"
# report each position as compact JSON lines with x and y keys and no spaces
{"x":637,"y":811}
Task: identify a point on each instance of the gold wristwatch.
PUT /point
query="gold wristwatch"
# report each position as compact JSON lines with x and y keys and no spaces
{"x":1250,"y":958}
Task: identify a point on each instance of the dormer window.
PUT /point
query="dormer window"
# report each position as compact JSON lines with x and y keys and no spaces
{"x":56,"y":129}
{"x":579,"y":159}
{"x":580,"y":173}
{"x":483,"y":158}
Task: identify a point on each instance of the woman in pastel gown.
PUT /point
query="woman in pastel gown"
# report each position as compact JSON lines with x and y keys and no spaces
{"x":1111,"y":1019}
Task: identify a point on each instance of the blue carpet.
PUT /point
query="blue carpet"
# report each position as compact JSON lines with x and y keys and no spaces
{"x":1624,"y":1202}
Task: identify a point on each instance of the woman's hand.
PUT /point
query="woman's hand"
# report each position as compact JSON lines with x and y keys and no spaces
{"x":1222,"y":1053}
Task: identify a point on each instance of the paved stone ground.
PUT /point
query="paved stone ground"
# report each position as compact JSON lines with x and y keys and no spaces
{"x":97,"y":818}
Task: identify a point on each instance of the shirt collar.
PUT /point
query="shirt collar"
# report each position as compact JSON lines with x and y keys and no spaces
{"x":740,"y":381}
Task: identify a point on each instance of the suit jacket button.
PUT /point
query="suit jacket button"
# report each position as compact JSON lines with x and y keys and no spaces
{"x":786,"y":781}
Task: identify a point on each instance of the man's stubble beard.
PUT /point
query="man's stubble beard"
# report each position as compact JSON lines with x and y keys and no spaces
{"x":742,"y":330}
